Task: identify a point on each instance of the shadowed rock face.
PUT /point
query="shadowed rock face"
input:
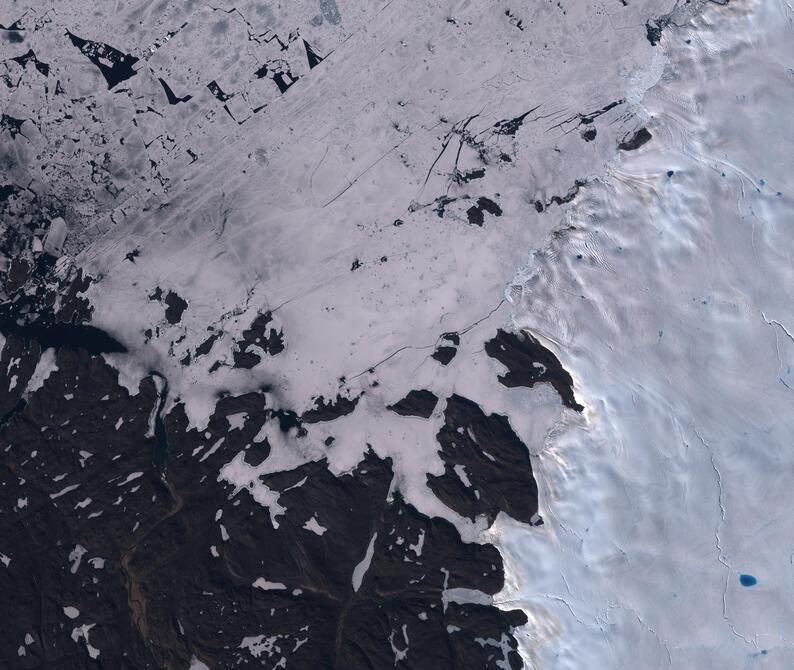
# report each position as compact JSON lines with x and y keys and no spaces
{"x":175,"y":307}
{"x":328,"y":410}
{"x":260,"y":338}
{"x":476,"y":213}
{"x":635,"y":141}
{"x":487,"y":467}
{"x":446,"y":348}
{"x":528,"y":363}
{"x":416,"y":403}
{"x":161,"y":560}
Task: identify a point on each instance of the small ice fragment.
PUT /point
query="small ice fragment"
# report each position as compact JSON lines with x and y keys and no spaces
{"x":56,"y":237}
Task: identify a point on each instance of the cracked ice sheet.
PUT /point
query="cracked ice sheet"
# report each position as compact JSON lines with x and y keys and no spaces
{"x":678,"y":478}
{"x":283,"y":246}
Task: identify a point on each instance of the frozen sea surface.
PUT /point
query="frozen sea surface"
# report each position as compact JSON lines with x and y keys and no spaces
{"x":384,"y":200}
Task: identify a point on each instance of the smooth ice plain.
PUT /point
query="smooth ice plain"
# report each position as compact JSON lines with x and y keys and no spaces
{"x":669,"y":295}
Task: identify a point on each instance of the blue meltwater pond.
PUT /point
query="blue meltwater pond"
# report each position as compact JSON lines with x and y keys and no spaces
{"x":747,"y":580}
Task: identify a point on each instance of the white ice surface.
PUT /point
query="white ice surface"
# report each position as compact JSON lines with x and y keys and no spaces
{"x":677,"y":480}
{"x":314,"y":526}
{"x":71,"y":612}
{"x":262,"y":583}
{"x":44,"y":368}
{"x":196,"y":664}
{"x":82,"y":632}
{"x":361,"y":569}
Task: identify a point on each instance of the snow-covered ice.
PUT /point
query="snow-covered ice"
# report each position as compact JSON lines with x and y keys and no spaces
{"x":675,"y":485}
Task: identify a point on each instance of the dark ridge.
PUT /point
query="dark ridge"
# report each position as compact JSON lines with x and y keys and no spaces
{"x":528,"y":363}
{"x":17,"y":409}
{"x":587,"y":119}
{"x":217,"y":92}
{"x":175,"y":307}
{"x":18,"y":275}
{"x":257,"y":453}
{"x":475,"y":212}
{"x":495,"y":462}
{"x":205,"y":347}
{"x":246,"y":360}
{"x":511,"y":126}
{"x":441,"y":205}
{"x":15,"y":26}
{"x":561,"y":200}
{"x":639,"y":138}
{"x":270,"y":36}
{"x":260,"y":334}
{"x":101,"y":54}
{"x":12,"y":125}
{"x":30,"y":56}
{"x":514,"y":20}
{"x":465,"y":177}
{"x":444,"y":353}
{"x":287,"y":420}
{"x":417,"y":403}
{"x":279,"y":73}
{"x":75,"y":308}
{"x":169,"y":94}
{"x":7,"y":190}
{"x":328,"y":410}
{"x":653,"y":32}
